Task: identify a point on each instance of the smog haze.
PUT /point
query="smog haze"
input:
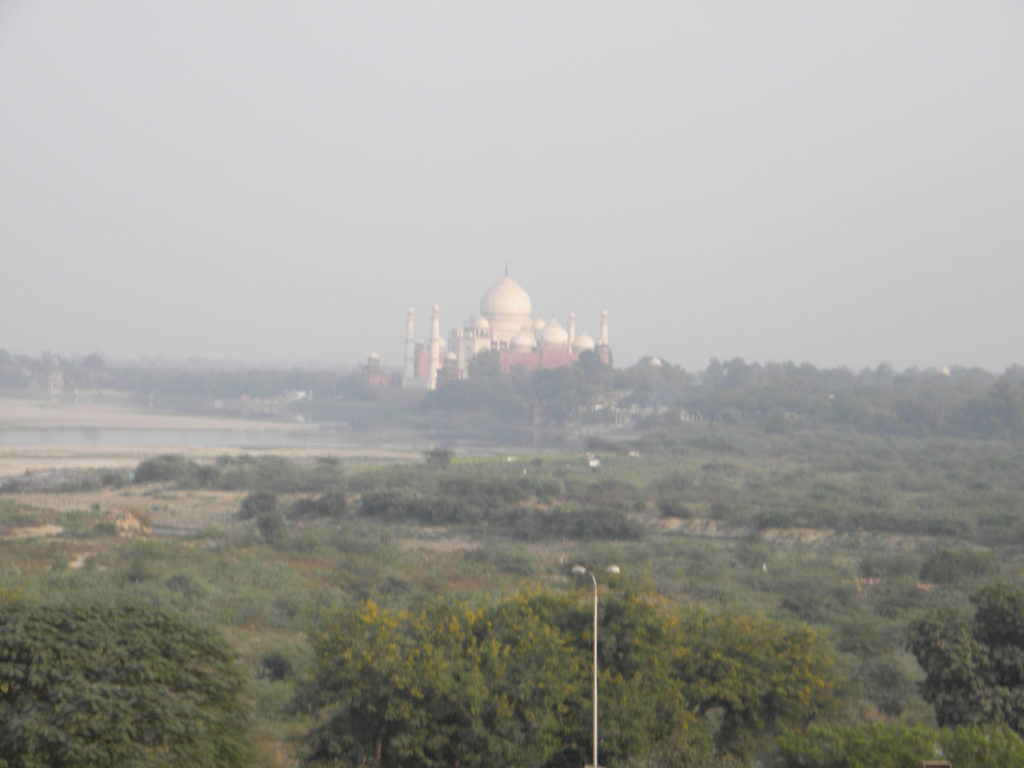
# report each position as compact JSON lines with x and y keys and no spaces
{"x":835,"y":183}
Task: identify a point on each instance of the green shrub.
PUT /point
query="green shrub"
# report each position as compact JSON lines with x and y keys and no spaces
{"x":275,"y":665}
{"x":105,"y":528}
{"x":514,"y":559}
{"x":191,"y":586}
{"x":976,"y":747}
{"x":256,"y":504}
{"x":957,"y":566}
{"x":439,"y":458}
{"x":168,"y":467}
{"x":531,"y":524}
{"x":871,"y":744}
{"x":888,"y":565}
{"x":272,"y":527}
{"x":113,"y":478}
{"x":331,"y":504}
{"x":398,"y":506}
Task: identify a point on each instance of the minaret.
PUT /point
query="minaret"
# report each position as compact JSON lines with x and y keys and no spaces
{"x":604,"y":328}
{"x":572,"y":329}
{"x":410,"y":347}
{"x":435,"y":348}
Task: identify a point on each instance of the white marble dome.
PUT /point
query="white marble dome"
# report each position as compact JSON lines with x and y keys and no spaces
{"x":522,"y":341}
{"x":507,"y":307}
{"x":583,"y":343}
{"x":554,"y":335}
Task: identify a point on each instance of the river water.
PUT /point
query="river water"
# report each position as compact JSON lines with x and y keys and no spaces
{"x":322,"y":437}
{"x":105,"y":437}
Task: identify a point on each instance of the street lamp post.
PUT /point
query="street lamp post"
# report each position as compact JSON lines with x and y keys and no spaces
{"x":579,"y":570}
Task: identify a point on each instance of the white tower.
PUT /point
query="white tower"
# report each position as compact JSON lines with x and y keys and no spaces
{"x":604,"y":328}
{"x":410,"y":347}
{"x":572,"y":329}
{"x":435,"y":348}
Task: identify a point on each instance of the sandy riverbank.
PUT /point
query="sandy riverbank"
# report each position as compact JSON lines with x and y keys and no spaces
{"x":17,"y":413}
{"x":26,"y":414}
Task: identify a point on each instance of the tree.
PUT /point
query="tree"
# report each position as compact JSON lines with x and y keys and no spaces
{"x":92,"y":683}
{"x":974,"y":671}
{"x":509,"y":683}
{"x":447,"y":686}
{"x":439,"y":458}
{"x":757,"y":674}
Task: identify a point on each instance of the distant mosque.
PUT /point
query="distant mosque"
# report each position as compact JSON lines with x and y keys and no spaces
{"x":507,"y":328}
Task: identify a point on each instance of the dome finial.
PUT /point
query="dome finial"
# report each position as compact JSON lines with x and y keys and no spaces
{"x":506,"y":269}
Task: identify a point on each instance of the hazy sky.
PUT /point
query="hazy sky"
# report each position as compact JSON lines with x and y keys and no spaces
{"x":840,"y":183}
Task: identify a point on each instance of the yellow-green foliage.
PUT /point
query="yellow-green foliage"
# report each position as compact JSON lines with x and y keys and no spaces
{"x":508,"y":682}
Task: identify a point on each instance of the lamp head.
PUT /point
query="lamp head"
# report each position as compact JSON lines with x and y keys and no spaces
{"x":614,"y":570}
{"x":578,"y":570}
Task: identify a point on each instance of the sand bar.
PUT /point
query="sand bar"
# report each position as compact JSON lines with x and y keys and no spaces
{"x":18,"y":413}
{"x":28,"y":414}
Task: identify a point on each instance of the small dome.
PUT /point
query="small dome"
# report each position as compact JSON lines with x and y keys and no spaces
{"x":481,"y":326}
{"x":538,"y":325}
{"x":554,"y":335}
{"x":451,"y":357}
{"x":522,"y":341}
{"x":583,"y":343}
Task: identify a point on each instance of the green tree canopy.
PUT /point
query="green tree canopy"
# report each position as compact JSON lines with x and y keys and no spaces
{"x":91,"y":683}
{"x":509,"y":682}
{"x":974,"y":670}
{"x":758,"y":675}
{"x":449,"y":685}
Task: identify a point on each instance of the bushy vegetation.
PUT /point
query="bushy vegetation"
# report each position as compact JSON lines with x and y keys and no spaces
{"x":506,"y":682}
{"x":754,"y":561}
{"x":93,"y":683}
{"x":893,"y":745}
{"x":266,"y":474}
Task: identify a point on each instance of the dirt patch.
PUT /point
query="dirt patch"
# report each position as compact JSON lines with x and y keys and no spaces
{"x":137,"y":510}
{"x":129,"y":523}
{"x":79,"y":561}
{"x":439,"y":545}
{"x":32,"y":532}
{"x":798,"y":535}
{"x":696,"y":526}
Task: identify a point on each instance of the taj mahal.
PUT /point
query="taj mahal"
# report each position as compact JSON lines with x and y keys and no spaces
{"x":505,"y":327}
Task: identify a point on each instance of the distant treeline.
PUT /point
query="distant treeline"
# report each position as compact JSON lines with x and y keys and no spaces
{"x":961,"y":402}
{"x":777,"y":397}
{"x":93,"y":372}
